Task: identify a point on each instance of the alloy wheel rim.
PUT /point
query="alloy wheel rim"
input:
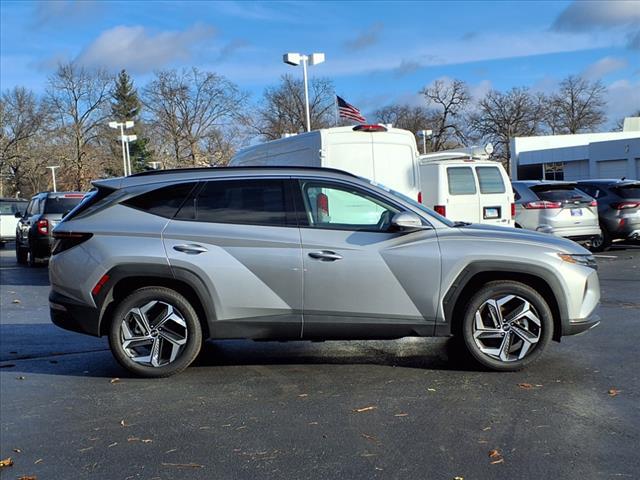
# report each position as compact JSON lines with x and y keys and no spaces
{"x":506,"y":328}
{"x":154,"y":334}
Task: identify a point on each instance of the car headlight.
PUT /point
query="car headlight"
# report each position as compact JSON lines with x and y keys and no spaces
{"x":584,"y":259}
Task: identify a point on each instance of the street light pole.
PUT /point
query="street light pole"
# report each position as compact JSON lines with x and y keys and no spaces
{"x":295,"y":59}
{"x":53,"y":176}
{"x":122,"y":126}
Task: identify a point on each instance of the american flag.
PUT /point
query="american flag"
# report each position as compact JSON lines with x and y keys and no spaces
{"x":346,"y":110}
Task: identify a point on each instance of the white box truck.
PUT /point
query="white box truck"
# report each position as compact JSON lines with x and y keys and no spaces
{"x":383,"y":154}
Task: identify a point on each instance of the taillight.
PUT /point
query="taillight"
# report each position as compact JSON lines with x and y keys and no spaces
{"x":98,"y":286}
{"x":419,"y":197}
{"x":43,"y":227}
{"x":513,"y":211}
{"x":441,"y":209}
{"x":66,"y":240}
{"x":542,"y":204}
{"x":623,"y":205}
{"x":594,"y":203}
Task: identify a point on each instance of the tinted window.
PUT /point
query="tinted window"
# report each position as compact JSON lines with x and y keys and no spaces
{"x":628,"y":191}
{"x":248,"y":202}
{"x":559,"y":193}
{"x":490,"y":180}
{"x":10,"y":207}
{"x":164,"y":201}
{"x":61,"y":204}
{"x":461,"y":181}
{"x":333,"y":206}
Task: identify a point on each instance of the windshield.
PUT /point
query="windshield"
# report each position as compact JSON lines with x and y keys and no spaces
{"x":11,"y":207}
{"x":413,"y":203}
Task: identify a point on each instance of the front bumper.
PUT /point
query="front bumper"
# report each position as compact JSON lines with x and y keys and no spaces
{"x":574,"y":327}
{"x":72,"y":315}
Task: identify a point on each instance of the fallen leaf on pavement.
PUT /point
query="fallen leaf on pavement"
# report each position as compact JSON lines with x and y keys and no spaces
{"x":15,"y":300}
{"x":431,"y":389}
{"x":500,"y":460}
{"x":494,"y":453}
{"x":182,"y":465}
{"x":112,"y":445}
{"x":525,"y":386}
{"x":401,"y":415}
{"x":38,"y":461}
{"x":614,"y":392}
{"x":133,"y":439}
{"x":28,"y":477}
{"x":146,"y":440}
{"x":7,"y":462}
{"x":364,"y":409}
{"x":114,"y":380}
{"x":123,"y":423}
{"x":486,"y":428}
{"x":369,"y":437}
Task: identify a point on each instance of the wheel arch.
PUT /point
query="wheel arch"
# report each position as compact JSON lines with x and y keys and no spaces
{"x":475,"y":275}
{"x":124,"y":279}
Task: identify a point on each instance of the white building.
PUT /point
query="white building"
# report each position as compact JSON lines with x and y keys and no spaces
{"x":581,"y":156}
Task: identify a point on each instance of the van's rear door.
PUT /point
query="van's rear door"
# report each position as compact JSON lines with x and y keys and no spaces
{"x":494,"y":196}
{"x":462,"y":195}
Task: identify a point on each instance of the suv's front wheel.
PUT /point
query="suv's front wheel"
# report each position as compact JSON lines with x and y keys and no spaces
{"x":155,"y":332}
{"x":506,"y":325}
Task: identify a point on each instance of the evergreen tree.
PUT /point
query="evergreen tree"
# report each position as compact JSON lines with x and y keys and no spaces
{"x":125,"y":105}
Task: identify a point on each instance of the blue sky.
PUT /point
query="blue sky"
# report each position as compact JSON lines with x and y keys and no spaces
{"x":376,"y":52}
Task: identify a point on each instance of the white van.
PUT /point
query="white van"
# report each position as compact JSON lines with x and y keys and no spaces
{"x":383,"y":154}
{"x":464,"y":185}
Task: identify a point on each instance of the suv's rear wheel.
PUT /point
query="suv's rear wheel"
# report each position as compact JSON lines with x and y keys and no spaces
{"x":506,"y":325}
{"x":21,"y":254}
{"x":601,"y":243}
{"x":155,"y":332}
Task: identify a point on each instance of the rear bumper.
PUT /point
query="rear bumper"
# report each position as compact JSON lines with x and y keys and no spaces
{"x":72,"y":315}
{"x":574,"y":327}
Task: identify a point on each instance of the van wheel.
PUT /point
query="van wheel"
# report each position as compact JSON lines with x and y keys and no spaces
{"x":601,"y":243}
{"x":155,"y":332}
{"x":506,"y":326}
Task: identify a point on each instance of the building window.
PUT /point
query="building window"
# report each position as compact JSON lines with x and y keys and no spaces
{"x":554,"y":171}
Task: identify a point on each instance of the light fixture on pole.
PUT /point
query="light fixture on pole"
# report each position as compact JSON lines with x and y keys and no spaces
{"x":424,"y":134}
{"x":53,"y":176}
{"x":296,"y":59}
{"x":122,"y":126}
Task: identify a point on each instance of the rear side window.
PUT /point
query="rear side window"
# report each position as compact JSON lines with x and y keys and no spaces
{"x":628,"y":191}
{"x":461,"y":181}
{"x":490,"y":180}
{"x":61,"y":204}
{"x":164,"y":201}
{"x":246,"y":202}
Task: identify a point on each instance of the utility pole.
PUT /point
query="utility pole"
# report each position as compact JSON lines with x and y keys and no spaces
{"x":53,"y":176}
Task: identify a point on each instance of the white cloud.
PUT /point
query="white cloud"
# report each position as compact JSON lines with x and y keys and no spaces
{"x":604,"y":67}
{"x":623,"y":98}
{"x":140,"y":50}
{"x":584,"y":16}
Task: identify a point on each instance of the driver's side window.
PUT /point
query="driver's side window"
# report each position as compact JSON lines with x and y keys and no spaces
{"x":344,"y":208}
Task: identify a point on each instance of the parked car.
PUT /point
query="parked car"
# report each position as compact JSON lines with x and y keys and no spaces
{"x":465,"y":185}
{"x":9,"y":207}
{"x":172,"y":257}
{"x":558,"y":208}
{"x":618,"y":209}
{"x":34,"y":226}
{"x":386,"y":155}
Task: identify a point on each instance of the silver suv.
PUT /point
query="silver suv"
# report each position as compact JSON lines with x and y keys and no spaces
{"x":161,"y":261}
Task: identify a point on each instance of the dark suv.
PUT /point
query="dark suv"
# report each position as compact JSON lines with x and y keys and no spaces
{"x":618,"y":209}
{"x":33,"y":232}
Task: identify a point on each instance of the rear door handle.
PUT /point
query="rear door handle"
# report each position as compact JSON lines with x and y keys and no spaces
{"x":326,"y":256}
{"x":191,"y":249}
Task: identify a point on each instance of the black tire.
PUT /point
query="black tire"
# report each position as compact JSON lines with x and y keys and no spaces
{"x":2,"y":244}
{"x":21,"y":254}
{"x":31,"y":257}
{"x":498,"y":289}
{"x":140,"y":298}
{"x":602,"y":243}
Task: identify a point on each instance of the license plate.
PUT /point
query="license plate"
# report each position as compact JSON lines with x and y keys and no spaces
{"x":576,"y":212}
{"x":490,"y":212}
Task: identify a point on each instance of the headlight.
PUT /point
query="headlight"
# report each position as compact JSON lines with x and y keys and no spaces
{"x":586,"y":260}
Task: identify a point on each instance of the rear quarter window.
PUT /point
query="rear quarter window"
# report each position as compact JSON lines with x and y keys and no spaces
{"x":163,"y":201}
{"x":461,"y":181}
{"x":490,"y":180}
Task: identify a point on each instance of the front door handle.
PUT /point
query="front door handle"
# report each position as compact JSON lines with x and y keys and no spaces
{"x":191,"y":249}
{"x":326,"y":256}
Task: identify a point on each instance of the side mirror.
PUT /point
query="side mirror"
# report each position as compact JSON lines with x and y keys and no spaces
{"x":407,"y":222}
{"x":18,"y":215}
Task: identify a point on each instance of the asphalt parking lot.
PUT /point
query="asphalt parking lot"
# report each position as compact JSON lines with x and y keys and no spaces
{"x":393,"y":409}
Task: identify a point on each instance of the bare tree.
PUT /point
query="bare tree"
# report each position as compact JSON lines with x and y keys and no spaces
{"x":79,"y":99}
{"x":502,"y":116}
{"x":409,"y":118}
{"x":450,"y":101}
{"x":577,"y":107}
{"x":22,"y":119}
{"x":282,"y":109}
{"x":188,"y":108}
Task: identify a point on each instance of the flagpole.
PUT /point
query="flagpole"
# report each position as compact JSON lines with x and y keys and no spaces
{"x":337,"y":117}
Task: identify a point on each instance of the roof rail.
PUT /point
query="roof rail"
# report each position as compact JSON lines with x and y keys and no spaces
{"x":264,"y":167}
